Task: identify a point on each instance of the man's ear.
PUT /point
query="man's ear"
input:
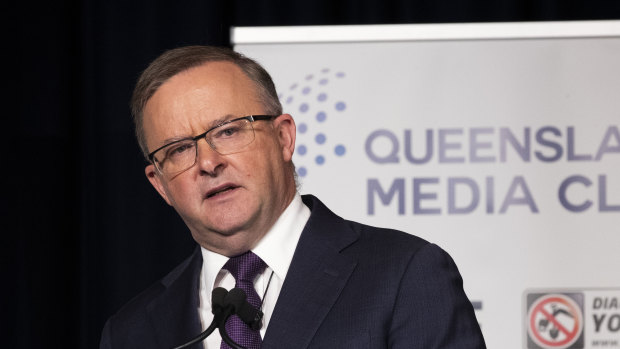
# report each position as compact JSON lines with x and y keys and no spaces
{"x":155,"y":179}
{"x":286,"y":131}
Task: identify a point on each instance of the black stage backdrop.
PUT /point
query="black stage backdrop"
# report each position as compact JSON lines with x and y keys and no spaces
{"x":83,"y":231}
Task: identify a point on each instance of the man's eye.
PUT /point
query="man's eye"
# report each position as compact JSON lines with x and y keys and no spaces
{"x":180,"y":149}
{"x":228,"y":131}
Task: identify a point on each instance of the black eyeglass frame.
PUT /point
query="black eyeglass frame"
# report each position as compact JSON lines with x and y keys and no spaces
{"x":250,"y":118}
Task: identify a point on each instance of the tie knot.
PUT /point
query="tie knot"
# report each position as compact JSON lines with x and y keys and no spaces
{"x":245,"y":267}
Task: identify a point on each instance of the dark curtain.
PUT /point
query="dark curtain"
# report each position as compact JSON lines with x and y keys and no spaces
{"x":83,"y":229}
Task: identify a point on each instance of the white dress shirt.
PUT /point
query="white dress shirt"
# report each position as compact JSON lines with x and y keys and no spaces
{"x":276,"y":249}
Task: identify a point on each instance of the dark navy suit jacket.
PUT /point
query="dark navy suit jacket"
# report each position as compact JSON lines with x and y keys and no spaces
{"x":349,"y":286}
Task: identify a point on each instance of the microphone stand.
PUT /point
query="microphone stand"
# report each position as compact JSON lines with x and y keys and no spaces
{"x":200,"y":337}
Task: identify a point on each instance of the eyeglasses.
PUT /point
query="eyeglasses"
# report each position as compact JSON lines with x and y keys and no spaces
{"x":227,"y":138}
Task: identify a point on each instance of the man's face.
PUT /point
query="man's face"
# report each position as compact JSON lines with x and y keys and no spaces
{"x":227,"y":201}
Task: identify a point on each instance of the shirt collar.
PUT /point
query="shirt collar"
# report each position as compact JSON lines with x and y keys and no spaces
{"x":277,"y":247}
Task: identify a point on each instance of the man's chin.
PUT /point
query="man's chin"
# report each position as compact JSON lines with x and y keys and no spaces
{"x":228,"y":243}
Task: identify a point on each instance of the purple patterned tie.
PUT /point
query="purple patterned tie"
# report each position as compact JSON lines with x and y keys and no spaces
{"x":245,"y":268}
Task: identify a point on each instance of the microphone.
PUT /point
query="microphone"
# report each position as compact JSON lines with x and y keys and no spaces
{"x":244,"y":310}
{"x":217,"y":299}
{"x":250,"y":315}
{"x":219,"y":308}
{"x":234,"y":300}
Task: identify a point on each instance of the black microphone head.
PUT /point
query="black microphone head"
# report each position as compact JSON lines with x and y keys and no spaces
{"x":218,"y":297}
{"x":250,"y":315}
{"x":235,"y":297}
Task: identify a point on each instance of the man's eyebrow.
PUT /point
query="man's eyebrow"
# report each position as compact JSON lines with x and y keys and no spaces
{"x":218,"y":122}
{"x":174,"y":139}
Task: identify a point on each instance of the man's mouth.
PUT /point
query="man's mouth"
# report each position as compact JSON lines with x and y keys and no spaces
{"x":221,"y":190}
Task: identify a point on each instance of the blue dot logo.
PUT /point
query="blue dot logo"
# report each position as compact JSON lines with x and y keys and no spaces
{"x":320,"y":138}
{"x":302,"y":150}
{"x":339,"y":150}
{"x":315,"y":100}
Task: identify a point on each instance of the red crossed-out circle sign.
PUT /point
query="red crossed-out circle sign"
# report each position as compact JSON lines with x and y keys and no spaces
{"x":555,"y":321}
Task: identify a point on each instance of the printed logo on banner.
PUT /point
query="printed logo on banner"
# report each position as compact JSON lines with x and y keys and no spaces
{"x":314,"y":101}
{"x":555,"y":320}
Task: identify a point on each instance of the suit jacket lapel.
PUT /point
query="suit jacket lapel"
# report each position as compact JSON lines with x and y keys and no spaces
{"x":317,"y":275}
{"x":174,"y":314}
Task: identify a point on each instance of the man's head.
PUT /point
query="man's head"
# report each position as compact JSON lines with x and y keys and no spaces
{"x":228,"y":201}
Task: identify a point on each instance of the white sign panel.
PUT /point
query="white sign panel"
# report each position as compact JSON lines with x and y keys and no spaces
{"x":503,"y":148}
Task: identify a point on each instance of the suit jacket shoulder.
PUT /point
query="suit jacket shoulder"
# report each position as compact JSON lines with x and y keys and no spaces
{"x":355,"y":286}
{"x":163,"y":316}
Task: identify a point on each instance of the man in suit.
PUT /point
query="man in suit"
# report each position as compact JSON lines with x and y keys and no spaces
{"x":220,"y":152}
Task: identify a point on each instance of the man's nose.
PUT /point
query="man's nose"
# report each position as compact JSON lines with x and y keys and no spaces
{"x":208,"y":160}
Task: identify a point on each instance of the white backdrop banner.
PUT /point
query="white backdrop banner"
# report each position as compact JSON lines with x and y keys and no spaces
{"x":499,"y":142}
